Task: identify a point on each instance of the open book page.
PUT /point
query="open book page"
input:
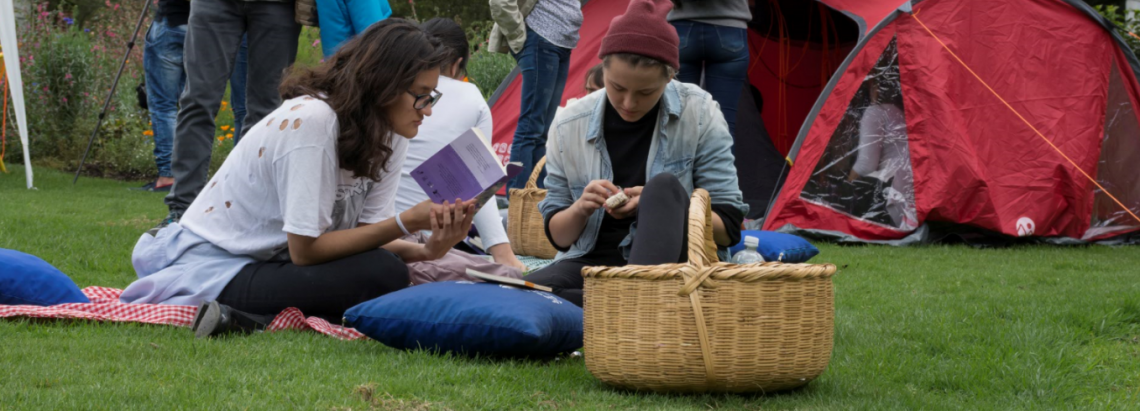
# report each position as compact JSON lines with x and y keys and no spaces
{"x":465,"y":169}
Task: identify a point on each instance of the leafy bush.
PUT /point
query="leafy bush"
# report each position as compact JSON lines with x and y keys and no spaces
{"x":68,"y":66}
{"x":67,"y":72}
{"x":463,"y":12}
{"x":71,"y":49}
{"x":488,"y":69}
{"x":1127,"y":24}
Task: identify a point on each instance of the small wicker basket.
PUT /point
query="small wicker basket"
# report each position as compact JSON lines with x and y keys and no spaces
{"x":525,"y":229}
{"x":724,"y":328}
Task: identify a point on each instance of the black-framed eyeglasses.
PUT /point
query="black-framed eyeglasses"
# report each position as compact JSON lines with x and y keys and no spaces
{"x":425,"y":100}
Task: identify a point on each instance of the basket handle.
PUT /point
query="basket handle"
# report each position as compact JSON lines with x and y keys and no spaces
{"x":691,"y":284}
{"x":532,"y":182}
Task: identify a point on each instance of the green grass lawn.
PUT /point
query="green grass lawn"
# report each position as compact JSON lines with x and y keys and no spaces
{"x":938,"y":327}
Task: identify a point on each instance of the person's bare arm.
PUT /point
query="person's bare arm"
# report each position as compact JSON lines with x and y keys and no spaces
{"x":343,"y":243}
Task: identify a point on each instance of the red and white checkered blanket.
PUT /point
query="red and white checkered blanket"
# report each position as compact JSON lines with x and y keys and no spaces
{"x":105,"y":306}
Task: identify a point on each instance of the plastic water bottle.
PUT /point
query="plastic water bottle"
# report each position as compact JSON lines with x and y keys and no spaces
{"x":748,"y":255}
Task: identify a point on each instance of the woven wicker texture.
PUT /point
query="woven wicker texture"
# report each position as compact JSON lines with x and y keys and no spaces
{"x":525,"y":225}
{"x":702,"y":247}
{"x":725,"y":328}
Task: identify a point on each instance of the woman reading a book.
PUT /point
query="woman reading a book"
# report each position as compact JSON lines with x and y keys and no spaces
{"x":302,"y":214}
{"x":463,"y":110}
{"x":647,"y":136}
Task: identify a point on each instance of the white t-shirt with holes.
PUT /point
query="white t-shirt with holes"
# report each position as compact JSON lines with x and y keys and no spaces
{"x":284,"y":177}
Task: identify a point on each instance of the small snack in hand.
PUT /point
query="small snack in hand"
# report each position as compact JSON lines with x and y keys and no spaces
{"x":617,"y":200}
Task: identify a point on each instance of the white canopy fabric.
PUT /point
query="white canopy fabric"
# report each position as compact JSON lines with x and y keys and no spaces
{"x":16,"y":83}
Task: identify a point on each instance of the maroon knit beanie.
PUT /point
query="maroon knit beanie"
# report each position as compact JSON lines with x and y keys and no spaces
{"x":643,"y":30}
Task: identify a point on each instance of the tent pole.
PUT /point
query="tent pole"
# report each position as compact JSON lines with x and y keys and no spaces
{"x":114,"y":85}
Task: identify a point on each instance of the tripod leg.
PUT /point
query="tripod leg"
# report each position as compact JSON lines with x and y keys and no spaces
{"x":111,"y":94}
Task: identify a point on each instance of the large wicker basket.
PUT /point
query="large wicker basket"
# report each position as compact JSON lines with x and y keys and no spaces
{"x":724,"y":328}
{"x":525,"y":228}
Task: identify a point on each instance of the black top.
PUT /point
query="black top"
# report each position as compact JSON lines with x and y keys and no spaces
{"x":628,"y":146}
{"x":176,"y":12}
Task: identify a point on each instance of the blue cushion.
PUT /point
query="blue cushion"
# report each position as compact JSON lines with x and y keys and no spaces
{"x":27,"y":280}
{"x":779,"y":246}
{"x":471,"y":318}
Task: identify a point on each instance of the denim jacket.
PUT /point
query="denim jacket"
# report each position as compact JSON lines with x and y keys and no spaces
{"x":691,"y":140}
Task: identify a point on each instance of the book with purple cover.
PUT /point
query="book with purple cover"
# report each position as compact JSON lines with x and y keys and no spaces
{"x":465,"y":169}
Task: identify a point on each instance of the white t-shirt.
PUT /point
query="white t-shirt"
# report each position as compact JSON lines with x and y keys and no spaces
{"x":461,"y":108}
{"x":284,"y":177}
{"x":882,"y":151}
{"x":883,"y":154}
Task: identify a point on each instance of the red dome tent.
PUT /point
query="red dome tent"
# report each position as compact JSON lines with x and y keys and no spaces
{"x":888,"y":118}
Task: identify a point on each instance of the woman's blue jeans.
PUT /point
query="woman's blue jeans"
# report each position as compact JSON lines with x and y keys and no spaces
{"x":720,"y":53}
{"x":544,"y":67}
{"x":165,"y":78}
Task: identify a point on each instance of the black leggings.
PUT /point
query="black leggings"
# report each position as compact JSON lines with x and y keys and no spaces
{"x":662,"y":238}
{"x":323,"y":290}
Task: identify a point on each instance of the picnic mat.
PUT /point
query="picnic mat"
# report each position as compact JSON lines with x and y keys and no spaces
{"x":105,"y":306}
{"x":533,"y":263}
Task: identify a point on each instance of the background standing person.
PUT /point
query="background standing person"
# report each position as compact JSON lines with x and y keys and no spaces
{"x":342,"y":19}
{"x":714,"y":43}
{"x":166,"y":79}
{"x":539,"y":35}
{"x":213,"y":36}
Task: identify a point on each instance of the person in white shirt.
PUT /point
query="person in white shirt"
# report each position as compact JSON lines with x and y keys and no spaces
{"x":463,"y":109}
{"x":882,"y":152}
{"x":302,"y":213}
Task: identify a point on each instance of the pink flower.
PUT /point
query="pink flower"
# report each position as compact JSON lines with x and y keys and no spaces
{"x":316,"y":42}
{"x":67,"y":76}
{"x":116,"y":7}
{"x":65,"y":99}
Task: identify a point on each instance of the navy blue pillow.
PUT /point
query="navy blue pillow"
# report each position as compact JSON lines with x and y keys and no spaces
{"x":27,"y":280}
{"x":779,"y":246}
{"x":471,"y":318}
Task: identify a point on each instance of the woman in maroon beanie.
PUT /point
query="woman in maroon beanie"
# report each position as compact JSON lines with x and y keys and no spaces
{"x":647,"y":136}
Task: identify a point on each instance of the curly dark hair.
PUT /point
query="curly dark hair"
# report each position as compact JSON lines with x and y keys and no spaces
{"x":369,"y":72}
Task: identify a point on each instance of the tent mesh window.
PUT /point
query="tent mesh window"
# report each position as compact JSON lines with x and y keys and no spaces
{"x":1116,"y":170}
{"x":865,"y":171}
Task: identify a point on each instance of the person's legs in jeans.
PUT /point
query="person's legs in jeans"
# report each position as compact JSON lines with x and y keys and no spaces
{"x":692,"y":51}
{"x":552,"y":108}
{"x":726,"y":68}
{"x":272,"y":35}
{"x":237,"y":89}
{"x":323,"y":290}
{"x":165,"y":78}
{"x":212,"y":39}
{"x":662,"y":223}
{"x":719,"y":54}
{"x":542,"y":65}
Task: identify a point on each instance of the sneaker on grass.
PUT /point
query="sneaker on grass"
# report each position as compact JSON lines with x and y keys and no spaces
{"x":173,"y":217}
{"x":153,"y":186}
